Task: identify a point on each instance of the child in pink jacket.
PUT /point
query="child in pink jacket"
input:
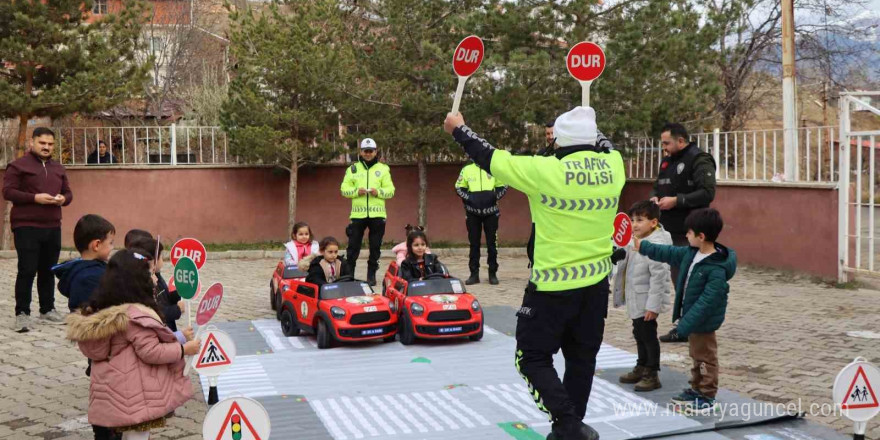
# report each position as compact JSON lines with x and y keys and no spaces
{"x":137,"y":362}
{"x":400,"y":249}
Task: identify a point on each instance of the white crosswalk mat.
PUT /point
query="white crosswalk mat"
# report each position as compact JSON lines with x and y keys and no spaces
{"x":396,"y":414}
{"x":246,"y":377}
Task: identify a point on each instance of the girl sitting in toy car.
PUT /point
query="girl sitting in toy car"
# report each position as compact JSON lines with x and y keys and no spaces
{"x":329,"y":267}
{"x":419,"y":264}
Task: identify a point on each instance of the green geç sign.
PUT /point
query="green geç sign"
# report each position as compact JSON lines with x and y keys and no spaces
{"x":186,"y":277}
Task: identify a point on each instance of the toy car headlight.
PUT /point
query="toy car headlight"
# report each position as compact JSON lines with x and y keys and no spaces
{"x":393,"y":306}
{"x":337,"y":312}
{"x":285,"y":288}
{"x":475,"y":306}
{"x":417,"y":309}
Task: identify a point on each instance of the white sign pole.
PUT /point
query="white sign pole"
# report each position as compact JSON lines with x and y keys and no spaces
{"x":458,"y":92}
{"x":585,"y":93}
{"x":188,"y":314}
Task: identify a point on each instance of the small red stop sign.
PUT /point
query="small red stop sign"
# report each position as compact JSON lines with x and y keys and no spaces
{"x":585,"y":61}
{"x":189,"y":247}
{"x":623,"y":229}
{"x":468,"y":56}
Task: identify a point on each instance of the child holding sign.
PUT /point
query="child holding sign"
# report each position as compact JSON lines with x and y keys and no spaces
{"x":643,"y":286}
{"x":122,"y":332}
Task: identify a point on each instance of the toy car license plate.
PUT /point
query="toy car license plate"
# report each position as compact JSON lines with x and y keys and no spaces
{"x":370,"y":308}
{"x":449,"y":329}
{"x":450,"y":307}
{"x":372,"y":331}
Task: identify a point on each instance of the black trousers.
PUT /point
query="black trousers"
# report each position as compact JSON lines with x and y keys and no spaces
{"x":645,"y":333}
{"x":476,"y":225}
{"x":355,"y":233}
{"x":573,"y":321}
{"x":102,"y":433}
{"x":38,"y":250}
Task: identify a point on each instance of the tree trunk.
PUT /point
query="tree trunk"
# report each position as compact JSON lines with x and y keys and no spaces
{"x":423,"y":191}
{"x":24,"y":116}
{"x":291,"y":191}
{"x":6,"y":240}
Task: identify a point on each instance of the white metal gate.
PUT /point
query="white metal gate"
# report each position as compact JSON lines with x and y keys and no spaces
{"x":858,"y":190}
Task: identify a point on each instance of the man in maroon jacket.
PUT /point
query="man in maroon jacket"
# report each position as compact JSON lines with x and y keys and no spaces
{"x":37,"y":187}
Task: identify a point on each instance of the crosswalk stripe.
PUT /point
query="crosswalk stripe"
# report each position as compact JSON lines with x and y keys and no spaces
{"x":345,"y":419}
{"x":494,"y":398}
{"x":375,"y":416}
{"x":465,"y":408}
{"x":329,"y":422}
{"x":391,"y":415}
{"x":406,"y":414}
{"x":449,"y":409}
{"x":421,"y":412}
{"x":451,"y":424}
{"x":360,"y":417}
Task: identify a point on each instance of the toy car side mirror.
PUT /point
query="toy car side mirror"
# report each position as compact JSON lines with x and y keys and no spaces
{"x":305,"y":290}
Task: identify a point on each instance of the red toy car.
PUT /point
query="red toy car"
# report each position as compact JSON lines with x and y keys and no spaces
{"x":344,"y":311}
{"x":434,"y":308}
{"x":283,"y":275}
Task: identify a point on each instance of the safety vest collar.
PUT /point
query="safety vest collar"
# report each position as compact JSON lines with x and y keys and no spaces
{"x":571,"y":149}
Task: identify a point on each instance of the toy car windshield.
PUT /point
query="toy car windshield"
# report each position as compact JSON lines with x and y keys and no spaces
{"x":433,"y":287}
{"x":292,"y":271}
{"x":344,"y":290}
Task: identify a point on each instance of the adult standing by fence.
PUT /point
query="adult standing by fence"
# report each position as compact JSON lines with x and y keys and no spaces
{"x":480,"y":193}
{"x":368,"y":183}
{"x":37,"y":187}
{"x":686,"y":182}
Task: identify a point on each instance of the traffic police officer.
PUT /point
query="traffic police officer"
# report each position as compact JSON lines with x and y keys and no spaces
{"x":573,"y":197}
{"x":368,"y":183}
{"x":480,"y":192}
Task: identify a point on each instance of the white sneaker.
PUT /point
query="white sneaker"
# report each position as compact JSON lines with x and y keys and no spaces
{"x":22,"y":322}
{"x":52,"y":317}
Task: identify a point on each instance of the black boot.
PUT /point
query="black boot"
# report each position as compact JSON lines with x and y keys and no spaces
{"x":371,"y":278}
{"x":575,"y":431}
{"x":474,"y":279}
{"x":492,"y":278}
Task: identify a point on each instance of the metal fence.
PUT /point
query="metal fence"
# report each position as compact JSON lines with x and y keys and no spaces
{"x":144,"y":145}
{"x":755,"y":155}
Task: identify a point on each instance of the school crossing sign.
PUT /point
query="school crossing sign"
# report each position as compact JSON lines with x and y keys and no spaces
{"x":237,"y":418}
{"x":856,"y":390}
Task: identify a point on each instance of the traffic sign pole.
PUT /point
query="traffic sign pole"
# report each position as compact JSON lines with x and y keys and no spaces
{"x":585,"y":93}
{"x":458,"y":92}
{"x":188,"y":314}
{"x":212,"y":390}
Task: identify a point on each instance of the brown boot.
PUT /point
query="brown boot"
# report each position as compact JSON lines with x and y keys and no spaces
{"x":650,"y":382}
{"x":635,"y":375}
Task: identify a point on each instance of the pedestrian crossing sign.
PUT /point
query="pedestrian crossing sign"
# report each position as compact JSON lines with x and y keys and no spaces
{"x":854,"y":390}
{"x":216,"y":354}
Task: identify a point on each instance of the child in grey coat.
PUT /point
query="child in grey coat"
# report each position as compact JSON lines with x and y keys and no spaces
{"x":643,"y":286}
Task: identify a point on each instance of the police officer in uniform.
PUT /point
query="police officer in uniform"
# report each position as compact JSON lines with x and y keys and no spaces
{"x":686,"y":182}
{"x":480,"y":193}
{"x":573,"y":197}
{"x":368,"y":183}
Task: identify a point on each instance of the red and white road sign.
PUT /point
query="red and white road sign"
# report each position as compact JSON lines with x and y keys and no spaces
{"x":237,"y":418}
{"x":623,"y":229}
{"x":585,"y":61}
{"x":468,"y":56}
{"x":189,"y":247}
{"x":215,"y":355}
{"x":209,"y":304}
{"x":854,"y":391}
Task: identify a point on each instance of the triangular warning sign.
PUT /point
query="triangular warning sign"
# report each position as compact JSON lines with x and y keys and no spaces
{"x":229,"y":423}
{"x":860,"y":393}
{"x":212,"y":354}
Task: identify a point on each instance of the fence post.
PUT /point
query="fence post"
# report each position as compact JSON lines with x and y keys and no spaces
{"x":716,"y":149}
{"x":173,"y":144}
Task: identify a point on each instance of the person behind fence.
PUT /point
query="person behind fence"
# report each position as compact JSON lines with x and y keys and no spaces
{"x":701,"y":290}
{"x":419,"y":264}
{"x":368,"y":183}
{"x":329,"y":266}
{"x":122,"y":332}
{"x":573,"y":196}
{"x":101,"y":155}
{"x":642,"y":285}
{"x":400,"y":249}
{"x":37,"y":186}
{"x":480,"y":193}
{"x":685,"y":182}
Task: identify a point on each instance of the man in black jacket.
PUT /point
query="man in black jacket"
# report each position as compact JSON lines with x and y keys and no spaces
{"x":686,"y":182}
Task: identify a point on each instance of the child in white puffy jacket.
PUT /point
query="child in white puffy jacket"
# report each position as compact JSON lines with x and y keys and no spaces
{"x":643,"y":286}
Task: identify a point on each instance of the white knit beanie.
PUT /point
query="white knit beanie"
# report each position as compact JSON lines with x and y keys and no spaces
{"x":576,"y":127}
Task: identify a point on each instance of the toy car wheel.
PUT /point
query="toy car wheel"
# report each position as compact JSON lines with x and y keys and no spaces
{"x":278,"y":306}
{"x":324,"y":338}
{"x":405,"y":330}
{"x":479,"y":335}
{"x":288,"y":326}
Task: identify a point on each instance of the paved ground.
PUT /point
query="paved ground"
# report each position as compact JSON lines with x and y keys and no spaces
{"x":784,"y":340}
